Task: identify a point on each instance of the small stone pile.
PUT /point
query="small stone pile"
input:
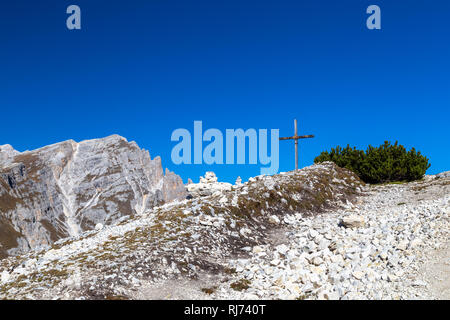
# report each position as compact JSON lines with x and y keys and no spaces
{"x":207,"y":186}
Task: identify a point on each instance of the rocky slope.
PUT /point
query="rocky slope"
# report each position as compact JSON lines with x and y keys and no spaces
{"x":67,"y":188}
{"x":181,"y":239}
{"x":317,"y":233}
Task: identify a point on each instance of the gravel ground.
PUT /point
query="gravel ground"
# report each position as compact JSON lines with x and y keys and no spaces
{"x":401,"y":252}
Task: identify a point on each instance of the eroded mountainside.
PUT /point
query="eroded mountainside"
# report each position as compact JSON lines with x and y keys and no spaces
{"x":67,"y":188}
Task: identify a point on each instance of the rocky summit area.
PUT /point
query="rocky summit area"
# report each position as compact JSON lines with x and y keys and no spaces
{"x":315,"y":233}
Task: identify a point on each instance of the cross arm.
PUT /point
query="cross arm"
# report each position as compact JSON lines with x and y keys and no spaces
{"x":297,"y":137}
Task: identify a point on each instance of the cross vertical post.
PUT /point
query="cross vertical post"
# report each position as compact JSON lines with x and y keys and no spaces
{"x":296,"y":144}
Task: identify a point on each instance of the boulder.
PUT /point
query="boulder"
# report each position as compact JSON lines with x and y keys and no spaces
{"x":353,"y":221}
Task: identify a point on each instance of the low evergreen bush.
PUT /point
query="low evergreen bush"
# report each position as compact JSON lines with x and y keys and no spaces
{"x":387,"y":163}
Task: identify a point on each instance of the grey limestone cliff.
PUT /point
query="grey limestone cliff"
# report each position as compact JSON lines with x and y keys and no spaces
{"x":64,"y":189}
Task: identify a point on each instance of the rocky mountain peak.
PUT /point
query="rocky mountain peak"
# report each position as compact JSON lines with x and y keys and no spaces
{"x":7,"y":152}
{"x":69,"y":187}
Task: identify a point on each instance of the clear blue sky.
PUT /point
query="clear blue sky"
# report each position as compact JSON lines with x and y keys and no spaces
{"x":144,"y":68}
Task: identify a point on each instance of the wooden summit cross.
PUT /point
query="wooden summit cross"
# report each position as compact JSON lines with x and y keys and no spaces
{"x":295,"y":138}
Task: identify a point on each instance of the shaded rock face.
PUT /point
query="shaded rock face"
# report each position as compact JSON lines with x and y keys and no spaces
{"x":64,"y":189}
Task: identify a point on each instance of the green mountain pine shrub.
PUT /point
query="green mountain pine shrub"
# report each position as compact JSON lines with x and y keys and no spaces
{"x":387,"y":163}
